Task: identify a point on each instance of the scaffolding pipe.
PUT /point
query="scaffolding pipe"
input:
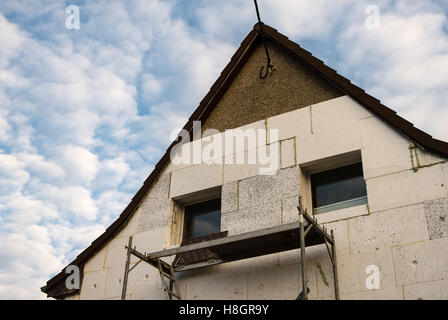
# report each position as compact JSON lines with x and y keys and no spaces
{"x":126,"y":269}
{"x":302,"y":251}
{"x":154,"y":258}
{"x":335,"y":268}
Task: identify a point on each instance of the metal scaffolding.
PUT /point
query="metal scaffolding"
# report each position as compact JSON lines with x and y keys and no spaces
{"x":304,"y":233}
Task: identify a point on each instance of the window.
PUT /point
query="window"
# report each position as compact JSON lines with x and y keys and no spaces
{"x":202,"y":219}
{"x":338,"y":188}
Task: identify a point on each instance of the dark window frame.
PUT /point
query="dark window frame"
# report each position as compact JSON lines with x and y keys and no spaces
{"x":329,"y":184}
{"x":192,"y":212}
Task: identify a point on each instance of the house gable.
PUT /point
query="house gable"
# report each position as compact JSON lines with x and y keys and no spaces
{"x":291,"y":86}
{"x":301,"y":80}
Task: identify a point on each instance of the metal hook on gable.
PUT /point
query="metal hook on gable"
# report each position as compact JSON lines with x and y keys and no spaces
{"x":269,"y":65}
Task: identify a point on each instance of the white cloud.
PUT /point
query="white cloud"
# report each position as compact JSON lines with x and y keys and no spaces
{"x":12,"y":174}
{"x":27,"y":210}
{"x":151,"y":87}
{"x":111,"y":174}
{"x":80,"y":164}
{"x":27,"y":255}
{"x":71,"y":238}
{"x":11,"y":40}
{"x":73,"y":202}
{"x":308,"y":18}
{"x":37,"y":165}
{"x":405,"y":61}
{"x":110,"y":203}
{"x":5,"y":128}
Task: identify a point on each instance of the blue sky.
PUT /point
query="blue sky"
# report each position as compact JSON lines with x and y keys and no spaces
{"x":85,"y":114}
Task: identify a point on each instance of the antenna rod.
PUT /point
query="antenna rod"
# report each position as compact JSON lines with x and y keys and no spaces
{"x":268,"y":65}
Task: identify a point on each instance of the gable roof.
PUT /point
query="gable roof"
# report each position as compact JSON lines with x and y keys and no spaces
{"x":55,"y":287}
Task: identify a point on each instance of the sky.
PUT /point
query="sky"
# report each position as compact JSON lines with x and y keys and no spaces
{"x":86,"y":113}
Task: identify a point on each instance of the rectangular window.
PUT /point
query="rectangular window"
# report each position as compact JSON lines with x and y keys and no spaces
{"x":338,"y":189}
{"x":202,"y":219}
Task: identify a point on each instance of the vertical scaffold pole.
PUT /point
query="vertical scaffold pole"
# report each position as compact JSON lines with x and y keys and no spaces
{"x":126,"y":269}
{"x":302,"y":251}
{"x":335,"y":267}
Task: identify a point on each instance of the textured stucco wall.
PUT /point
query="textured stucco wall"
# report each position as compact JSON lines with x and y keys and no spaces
{"x":250,"y":98}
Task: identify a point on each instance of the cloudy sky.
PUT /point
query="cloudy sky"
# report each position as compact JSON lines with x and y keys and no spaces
{"x":86,"y":113}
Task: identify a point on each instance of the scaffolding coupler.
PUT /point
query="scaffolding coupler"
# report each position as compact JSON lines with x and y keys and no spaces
{"x":166,"y":270}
